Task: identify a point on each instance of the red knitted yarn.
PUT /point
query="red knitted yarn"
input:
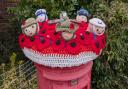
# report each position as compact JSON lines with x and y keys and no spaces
{"x":42,"y":42}
{"x":49,"y":41}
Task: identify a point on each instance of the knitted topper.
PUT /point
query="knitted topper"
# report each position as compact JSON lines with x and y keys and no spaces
{"x":63,"y":42}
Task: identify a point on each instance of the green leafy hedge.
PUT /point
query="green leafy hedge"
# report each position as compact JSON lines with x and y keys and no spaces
{"x":110,"y":69}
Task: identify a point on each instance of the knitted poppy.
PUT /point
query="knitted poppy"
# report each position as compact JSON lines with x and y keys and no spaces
{"x":40,"y":25}
{"x":73,"y":47}
{"x":88,"y":38}
{"x":96,"y":47}
{"x":102,"y":40}
{"x":22,"y":38}
{"x":28,"y":43}
{"x":43,"y":28}
{"x":58,"y":44}
{"x":25,"y":41}
{"x":51,"y":26}
{"x":83,"y":36}
{"x":42,"y":42}
{"x":55,"y":35}
{"x":84,"y":25}
{"x":80,"y":35}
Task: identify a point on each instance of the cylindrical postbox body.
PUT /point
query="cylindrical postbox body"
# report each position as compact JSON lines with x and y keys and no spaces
{"x":64,"y":78}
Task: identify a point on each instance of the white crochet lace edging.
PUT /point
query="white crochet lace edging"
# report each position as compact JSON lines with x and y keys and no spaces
{"x":59,"y":60}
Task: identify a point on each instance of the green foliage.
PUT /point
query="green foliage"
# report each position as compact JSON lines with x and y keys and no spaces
{"x":13,"y":59}
{"x":110,"y":69}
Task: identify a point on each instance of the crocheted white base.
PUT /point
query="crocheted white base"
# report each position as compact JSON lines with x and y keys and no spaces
{"x":59,"y":60}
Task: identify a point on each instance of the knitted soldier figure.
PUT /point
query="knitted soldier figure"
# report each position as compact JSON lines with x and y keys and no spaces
{"x":96,"y":26}
{"x":30,"y":27}
{"x":82,"y":15}
{"x":41,"y":15}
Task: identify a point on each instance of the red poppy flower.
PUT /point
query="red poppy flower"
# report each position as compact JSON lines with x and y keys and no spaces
{"x":79,"y":33}
{"x":51,"y":26}
{"x":26,"y":41}
{"x":83,"y":25}
{"x":102,"y":41}
{"x":58,"y":44}
{"x":22,"y":40}
{"x":42,"y":42}
{"x":96,"y":47}
{"x":88,"y":38}
{"x":73,"y":47}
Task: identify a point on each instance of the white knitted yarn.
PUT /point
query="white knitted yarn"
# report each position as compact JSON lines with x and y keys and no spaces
{"x":59,"y":60}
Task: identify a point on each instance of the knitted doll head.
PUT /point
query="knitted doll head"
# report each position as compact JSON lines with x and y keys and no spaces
{"x":41,"y":15}
{"x":97,"y":26}
{"x":82,"y":15}
{"x":63,"y":15}
{"x":30,"y":27}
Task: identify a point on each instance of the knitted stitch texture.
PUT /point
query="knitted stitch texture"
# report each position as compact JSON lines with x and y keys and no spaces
{"x":50,"y":49}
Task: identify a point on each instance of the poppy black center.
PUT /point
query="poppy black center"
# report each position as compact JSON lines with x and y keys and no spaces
{"x":82,"y":37}
{"x":87,"y":32}
{"x":32,"y":39}
{"x":55,"y":33}
{"x":40,"y":27}
{"x":22,"y":40}
{"x":73,"y":44}
{"x":58,"y":42}
{"x":42,"y":39}
{"x":97,"y":44}
{"x":44,"y":31}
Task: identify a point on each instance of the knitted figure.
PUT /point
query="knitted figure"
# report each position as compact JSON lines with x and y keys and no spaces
{"x":30,"y":27}
{"x":97,"y":26}
{"x":66,"y":27}
{"x":82,"y":15}
{"x":63,"y":50}
{"x":41,"y":15}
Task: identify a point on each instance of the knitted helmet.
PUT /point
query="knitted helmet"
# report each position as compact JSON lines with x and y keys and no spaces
{"x":28,"y":22}
{"x":83,"y":11}
{"x":97,"y":22}
{"x":40,"y":12}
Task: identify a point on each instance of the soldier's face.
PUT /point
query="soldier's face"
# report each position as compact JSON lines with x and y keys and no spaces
{"x":41,"y":18}
{"x":98,"y":30}
{"x":81,"y":18}
{"x":30,"y":30}
{"x":63,"y":15}
{"x":67,"y":35}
